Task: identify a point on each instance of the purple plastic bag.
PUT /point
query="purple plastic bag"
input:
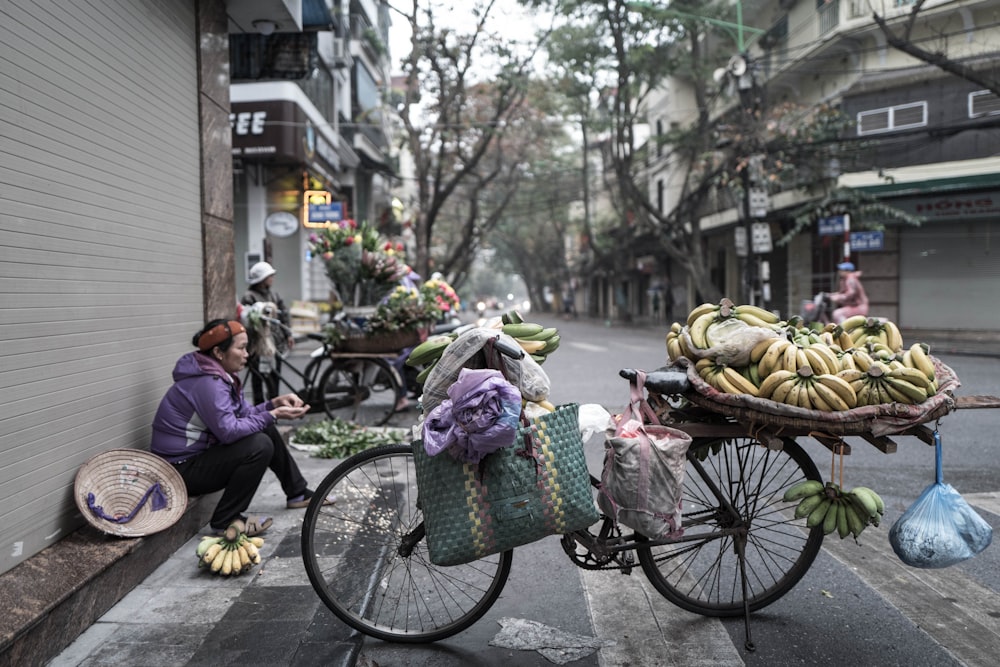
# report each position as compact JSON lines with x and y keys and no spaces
{"x":480,"y":415}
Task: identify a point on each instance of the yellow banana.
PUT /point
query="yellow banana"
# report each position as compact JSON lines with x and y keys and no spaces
{"x":701,"y":310}
{"x":530,"y":346}
{"x":771,"y":382}
{"x":699,"y":330}
{"x":227,"y":563}
{"x":804,"y":400}
{"x":853,"y":322}
{"x":816,"y":399}
{"x":850,"y":375}
{"x":770,"y":362}
{"x":760,"y":348}
{"x":765,"y":316}
{"x":210,"y":554}
{"x":780,"y":392}
{"x":740,"y":383}
{"x":862,"y":359}
{"x":817,"y":361}
{"x":830,"y":396}
{"x":893,"y":338}
{"x":674,"y":349}
{"x":912,"y":375}
{"x":843,"y":389}
{"x":832,"y":360}
{"x":922,"y":361}
{"x":790,"y":358}
{"x":903,"y":391}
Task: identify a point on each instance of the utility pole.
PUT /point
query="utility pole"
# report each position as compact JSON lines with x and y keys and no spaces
{"x":755,"y":197}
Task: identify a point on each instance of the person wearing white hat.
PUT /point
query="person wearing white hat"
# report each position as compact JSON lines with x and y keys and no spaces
{"x":850,"y":297}
{"x":261,"y":290}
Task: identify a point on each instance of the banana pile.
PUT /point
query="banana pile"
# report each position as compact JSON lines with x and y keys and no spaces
{"x":534,"y":339}
{"x":862,"y":361}
{"x":829,"y":506}
{"x":230,"y":554}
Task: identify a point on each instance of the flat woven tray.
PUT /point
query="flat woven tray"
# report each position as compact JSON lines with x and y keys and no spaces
{"x":878,"y":420}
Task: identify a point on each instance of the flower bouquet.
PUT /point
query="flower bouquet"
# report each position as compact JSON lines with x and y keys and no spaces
{"x":439,"y":293}
{"x":362,"y":266}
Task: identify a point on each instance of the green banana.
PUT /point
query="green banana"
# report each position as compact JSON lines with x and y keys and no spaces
{"x":854,"y":520}
{"x":550,"y":345}
{"x":877,"y":499}
{"x":843,"y":525}
{"x":522,"y":330}
{"x":830,"y":518}
{"x":807,"y":487}
{"x":422,"y":375}
{"x":429,"y":350}
{"x":544,"y":334}
{"x":817,"y":516}
{"x":808,"y":504}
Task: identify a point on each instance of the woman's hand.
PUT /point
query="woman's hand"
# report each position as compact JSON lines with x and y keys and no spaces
{"x":288,"y":399}
{"x":289,"y":411}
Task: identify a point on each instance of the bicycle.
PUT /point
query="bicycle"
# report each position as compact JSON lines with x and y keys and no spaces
{"x":358,"y":387}
{"x":741,"y":548}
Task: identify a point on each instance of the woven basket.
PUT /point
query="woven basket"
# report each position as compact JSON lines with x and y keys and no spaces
{"x":393,"y":341}
{"x":118,"y":480}
{"x":878,"y":420}
{"x":539,"y":486}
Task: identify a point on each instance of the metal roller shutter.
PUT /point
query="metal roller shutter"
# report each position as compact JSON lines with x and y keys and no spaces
{"x":100,"y":235}
{"x":945,"y":269}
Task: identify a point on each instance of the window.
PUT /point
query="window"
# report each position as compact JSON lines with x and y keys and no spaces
{"x":899,"y":117}
{"x":983,"y":103}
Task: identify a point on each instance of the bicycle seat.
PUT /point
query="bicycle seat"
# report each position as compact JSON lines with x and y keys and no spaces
{"x":316,"y":336}
{"x":667,"y":380}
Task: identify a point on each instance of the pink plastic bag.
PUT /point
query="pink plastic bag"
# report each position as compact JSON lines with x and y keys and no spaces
{"x":643,"y":478}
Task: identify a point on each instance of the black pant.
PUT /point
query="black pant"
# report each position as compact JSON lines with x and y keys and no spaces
{"x":258,"y":389}
{"x":237,"y":469}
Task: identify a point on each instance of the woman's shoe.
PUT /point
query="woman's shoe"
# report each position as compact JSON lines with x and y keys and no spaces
{"x":302,"y":501}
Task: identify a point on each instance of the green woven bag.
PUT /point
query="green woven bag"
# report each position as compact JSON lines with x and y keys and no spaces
{"x":539,"y":486}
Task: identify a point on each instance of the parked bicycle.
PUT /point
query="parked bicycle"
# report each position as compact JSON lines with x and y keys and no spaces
{"x":741,"y":548}
{"x":356,"y":387}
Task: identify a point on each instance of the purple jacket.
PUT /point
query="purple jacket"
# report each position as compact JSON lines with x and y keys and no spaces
{"x":204,"y":407}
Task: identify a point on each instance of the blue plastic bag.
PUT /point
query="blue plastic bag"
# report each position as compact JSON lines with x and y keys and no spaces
{"x":481,"y":414}
{"x":939,"y":529}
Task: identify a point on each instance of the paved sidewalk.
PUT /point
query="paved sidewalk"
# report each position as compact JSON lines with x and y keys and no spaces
{"x":183,"y":615}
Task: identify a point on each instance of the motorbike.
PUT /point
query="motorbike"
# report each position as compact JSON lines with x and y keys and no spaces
{"x":818,"y":309}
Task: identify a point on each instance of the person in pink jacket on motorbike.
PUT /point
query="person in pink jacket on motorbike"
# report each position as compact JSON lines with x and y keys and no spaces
{"x":850,"y":298}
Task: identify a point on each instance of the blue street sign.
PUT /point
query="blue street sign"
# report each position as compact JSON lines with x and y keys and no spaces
{"x":831,"y":225}
{"x":331,"y":212}
{"x":861,"y":241}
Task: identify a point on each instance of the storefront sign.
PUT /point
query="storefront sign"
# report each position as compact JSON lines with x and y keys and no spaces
{"x":331,"y":212}
{"x":967,"y":206}
{"x":862,"y":241}
{"x":834,"y":224}
{"x":281,"y":132}
{"x":281,"y":224}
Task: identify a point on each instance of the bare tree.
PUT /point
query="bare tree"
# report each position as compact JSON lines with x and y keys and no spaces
{"x":903,"y":41}
{"x":461,"y":94}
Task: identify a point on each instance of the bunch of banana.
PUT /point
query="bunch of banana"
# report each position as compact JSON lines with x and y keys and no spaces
{"x":230,"y":554}
{"x":862,"y":329}
{"x":427,"y":353}
{"x":829,"y":506}
{"x":726,"y":378}
{"x":676,"y":344}
{"x":804,"y":389}
{"x":881,"y":384}
{"x":704,"y":316}
{"x":534,"y":339}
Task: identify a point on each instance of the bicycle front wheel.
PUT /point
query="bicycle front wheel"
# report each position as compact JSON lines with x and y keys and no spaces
{"x":363,"y":391}
{"x":367,"y":558}
{"x":733,"y":502}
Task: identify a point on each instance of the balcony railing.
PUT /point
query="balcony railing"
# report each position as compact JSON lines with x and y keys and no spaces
{"x":829,"y":16}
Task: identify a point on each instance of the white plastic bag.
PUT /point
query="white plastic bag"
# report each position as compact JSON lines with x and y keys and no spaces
{"x":939,"y":529}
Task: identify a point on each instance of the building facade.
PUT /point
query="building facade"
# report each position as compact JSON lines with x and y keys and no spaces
{"x":922,"y":140}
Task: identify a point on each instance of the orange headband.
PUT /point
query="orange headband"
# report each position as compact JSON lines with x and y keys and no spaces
{"x":219,"y":334}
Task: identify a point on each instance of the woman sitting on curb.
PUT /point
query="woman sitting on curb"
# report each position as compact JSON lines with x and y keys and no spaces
{"x":218,"y":441}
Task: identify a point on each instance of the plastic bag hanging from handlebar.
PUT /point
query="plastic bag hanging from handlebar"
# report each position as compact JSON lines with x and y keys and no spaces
{"x":939,"y":529}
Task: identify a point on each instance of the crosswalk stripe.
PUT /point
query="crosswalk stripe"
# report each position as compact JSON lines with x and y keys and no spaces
{"x":650,"y":630}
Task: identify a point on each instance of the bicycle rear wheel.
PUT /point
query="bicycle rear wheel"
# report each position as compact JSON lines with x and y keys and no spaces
{"x":363,"y":391}
{"x":703,"y":575}
{"x":367,"y":559}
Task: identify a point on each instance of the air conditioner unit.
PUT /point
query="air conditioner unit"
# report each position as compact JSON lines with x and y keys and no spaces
{"x":342,"y":52}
